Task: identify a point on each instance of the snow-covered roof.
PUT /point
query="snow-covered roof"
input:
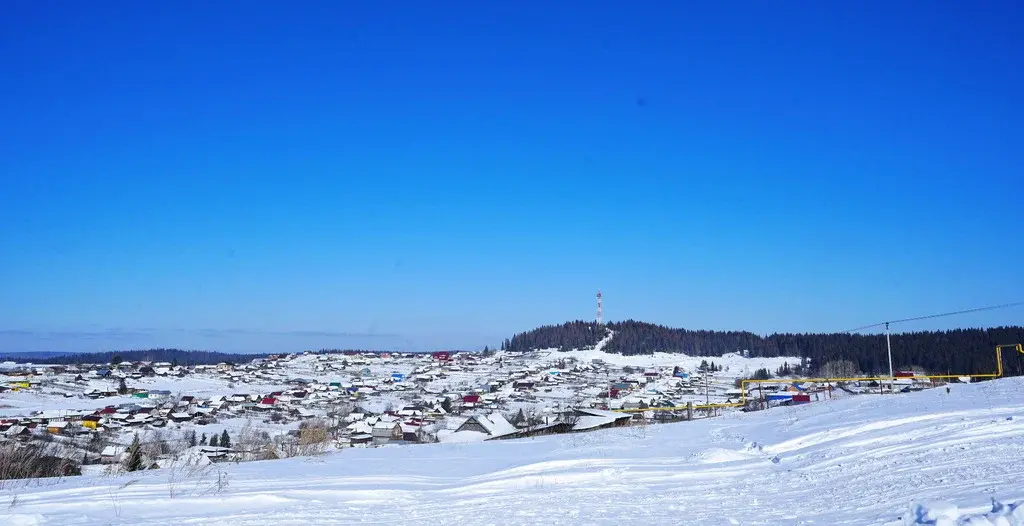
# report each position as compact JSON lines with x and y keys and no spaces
{"x":360,"y":427}
{"x":113,"y":451}
{"x":495,"y":424}
{"x":603,"y":413}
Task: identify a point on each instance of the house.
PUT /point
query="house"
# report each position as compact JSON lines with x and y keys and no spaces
{"x":493,"y":425}
{"x":215,"y":453}
{"x":410,"y":433}
{"x":384,"y":431}
{"x":304,"y":413}
{"x":180,"y":417}
{"x":91,"y":421}
{"x":360,"y":438}
{"x":471,"y":399}
{"x":590,"y":419}
{"x":360,"y":427}
{"x":441,"y":356}
{"x":18,"y":431}
{"x":112,"y":454}
{"x":57,"y":427}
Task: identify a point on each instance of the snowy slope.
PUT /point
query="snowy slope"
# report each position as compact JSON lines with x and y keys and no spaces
{"x":737,"y":364}
{"x":857,"y":460}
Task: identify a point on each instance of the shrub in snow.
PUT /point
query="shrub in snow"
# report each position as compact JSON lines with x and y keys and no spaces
{"x":35,"y":461}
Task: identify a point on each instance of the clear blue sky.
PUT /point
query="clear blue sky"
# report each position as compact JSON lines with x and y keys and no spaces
{"x":274,"y":176}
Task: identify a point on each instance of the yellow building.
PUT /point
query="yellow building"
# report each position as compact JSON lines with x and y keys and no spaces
{"x":56,"y":427}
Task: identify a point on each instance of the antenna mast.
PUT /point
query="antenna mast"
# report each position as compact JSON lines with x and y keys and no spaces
{"x":600,"y":309}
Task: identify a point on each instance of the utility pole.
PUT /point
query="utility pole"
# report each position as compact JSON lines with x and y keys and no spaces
{"x":888,"y":346}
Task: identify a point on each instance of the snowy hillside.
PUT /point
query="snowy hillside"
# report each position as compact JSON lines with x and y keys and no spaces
{"x":858,"y":460}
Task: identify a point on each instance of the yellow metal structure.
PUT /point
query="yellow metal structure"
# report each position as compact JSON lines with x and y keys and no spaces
{"x":999,"y":354}
{"x":743,"y":383}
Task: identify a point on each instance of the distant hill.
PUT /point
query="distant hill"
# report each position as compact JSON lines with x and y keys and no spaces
{"x":18,"y":356}
{"x":178,"y":356}
{"x":959,"y":351}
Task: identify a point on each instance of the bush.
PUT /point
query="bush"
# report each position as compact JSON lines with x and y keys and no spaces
{"x":35,"y":461}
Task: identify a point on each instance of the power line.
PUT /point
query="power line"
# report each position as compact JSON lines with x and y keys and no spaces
{"x":930,"y":316}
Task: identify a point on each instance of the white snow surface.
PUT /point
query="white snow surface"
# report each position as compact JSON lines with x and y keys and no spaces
{"x":928,"y":457}
{"x":735,"y":362}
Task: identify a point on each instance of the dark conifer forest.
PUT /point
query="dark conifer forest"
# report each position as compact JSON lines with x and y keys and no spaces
{"x":956,"y":351}
{"x":176,"y":356}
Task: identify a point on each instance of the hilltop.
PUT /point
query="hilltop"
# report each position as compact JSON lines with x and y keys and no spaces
{"x":959,"y":351}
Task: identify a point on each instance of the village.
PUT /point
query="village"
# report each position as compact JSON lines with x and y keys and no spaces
{"x":294,"y":404}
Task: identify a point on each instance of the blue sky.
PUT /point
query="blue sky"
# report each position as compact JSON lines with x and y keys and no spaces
{"x":270,"y":176}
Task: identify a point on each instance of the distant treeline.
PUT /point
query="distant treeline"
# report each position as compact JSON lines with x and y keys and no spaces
{"x":174,"y":356}
{"x":958,"y":351}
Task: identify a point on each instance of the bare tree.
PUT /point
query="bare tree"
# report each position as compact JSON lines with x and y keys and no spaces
{"x":839,"y":369}
{"x":252,"y":443}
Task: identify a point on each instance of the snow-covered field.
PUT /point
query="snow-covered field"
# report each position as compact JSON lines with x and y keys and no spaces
{"x":866,"y":459}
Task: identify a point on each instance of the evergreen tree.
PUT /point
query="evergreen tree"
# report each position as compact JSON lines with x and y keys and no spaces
{"x":213,"y":441}
{"x":446,"y":404}
{"x":190,"y":438}
{"x":202,"y":441}
{"x":133,"y":458}
{"x":122,"y":389}
{"x":960,"y":351}
{"x":225,"y":440}
{"x":519,"y":419}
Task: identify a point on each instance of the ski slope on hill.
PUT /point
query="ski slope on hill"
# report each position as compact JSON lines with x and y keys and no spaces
{"x":864,"y":459}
